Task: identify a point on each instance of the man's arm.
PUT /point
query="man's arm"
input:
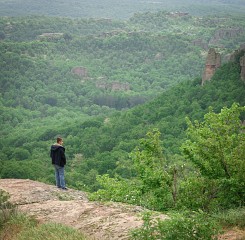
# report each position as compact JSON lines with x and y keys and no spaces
{"x":63,"y":156}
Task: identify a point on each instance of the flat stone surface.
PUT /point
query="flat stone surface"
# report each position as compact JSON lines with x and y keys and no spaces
{"x":50,"y":204}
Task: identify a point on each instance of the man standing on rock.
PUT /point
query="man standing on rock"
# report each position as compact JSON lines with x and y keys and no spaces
{"x":57,"y":154}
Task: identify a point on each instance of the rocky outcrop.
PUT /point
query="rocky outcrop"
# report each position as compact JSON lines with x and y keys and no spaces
{"x":242,"y":61}
{"x":50,"y":36}
{"x":72,"y":208}
{"x":238,"y":56}
{"x":242,"y":64}
{"x":233,"y":57}
{"x":213,"y":62}
{"x":225,"y":34}
{"x":80,"y":71}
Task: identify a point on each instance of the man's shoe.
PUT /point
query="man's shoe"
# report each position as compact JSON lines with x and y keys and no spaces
{"x":65,"y":188}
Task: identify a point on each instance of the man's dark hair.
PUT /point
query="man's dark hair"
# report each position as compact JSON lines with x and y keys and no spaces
{"x":59,"y":139}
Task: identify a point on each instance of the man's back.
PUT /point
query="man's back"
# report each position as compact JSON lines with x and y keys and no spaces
{"x":57,"y":154}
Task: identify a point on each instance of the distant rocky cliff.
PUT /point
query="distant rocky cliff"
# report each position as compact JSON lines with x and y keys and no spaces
{"x":239,"y":56}
{"x":225,"y":34}
{"x":213,"y":62}
{"x":242,"y":64}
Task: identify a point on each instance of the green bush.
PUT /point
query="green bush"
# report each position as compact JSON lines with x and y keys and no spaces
{"x":185,"y":226}
{"x":6,"y":208}
{"x":198,"y":193}
{"x":117,"y":190}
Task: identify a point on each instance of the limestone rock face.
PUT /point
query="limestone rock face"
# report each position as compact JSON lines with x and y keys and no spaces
{"x":232,"y":57}
{"x":239,"y":52}
{"x":213,"y":62}
{"x":242,"y":47}
{"x":225,"y":34}
{"x":239,"y":56}
{"x":242,"y":64}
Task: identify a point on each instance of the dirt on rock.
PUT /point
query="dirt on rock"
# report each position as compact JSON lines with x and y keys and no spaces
{"x":104,"y":221}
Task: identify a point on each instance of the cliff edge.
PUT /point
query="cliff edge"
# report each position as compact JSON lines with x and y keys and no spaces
{"x":72,"y":208}
{"x":104,"y":221}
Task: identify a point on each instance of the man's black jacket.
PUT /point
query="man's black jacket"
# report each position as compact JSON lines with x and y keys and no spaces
{"x":57,"y":154}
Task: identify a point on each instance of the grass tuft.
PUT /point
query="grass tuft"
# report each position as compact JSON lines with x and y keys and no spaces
{"x":232,"y":218}
{"x":23,"y":227}
{"x":50,"y":231}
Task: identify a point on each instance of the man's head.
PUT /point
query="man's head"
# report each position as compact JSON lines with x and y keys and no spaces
{"x":59,"y":140}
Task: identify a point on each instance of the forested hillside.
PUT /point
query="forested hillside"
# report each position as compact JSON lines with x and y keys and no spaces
{"x":57,"y":72}
{"x":127,"y":98}
{"x":106,"y":63}
{"x":102,"y":144}
{"x":151,"y":155}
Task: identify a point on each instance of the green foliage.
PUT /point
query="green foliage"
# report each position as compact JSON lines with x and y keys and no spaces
{"x":154,"y":60}
{"x":197,"y":193}
{"x":32,"y":169}
{"x":51,"y":231}
{"x":151,"y":186}
{"x":37,"y":69}
{"x":231,"y":218}
{"x":216,"y":147}
{"x":184,"y":226}
{"x":7,"y":209}
{"x":151,"y":170}
{"x":22,"y":227}
{"x":145,"y":63}
{"x":117,"y":190}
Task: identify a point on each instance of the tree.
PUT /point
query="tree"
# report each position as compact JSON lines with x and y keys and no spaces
{"x":217,"y":148}
{"x":153,"y":182}
{"x":158,"y":178}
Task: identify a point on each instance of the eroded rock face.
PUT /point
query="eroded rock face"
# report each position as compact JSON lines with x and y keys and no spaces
{"x":225,"y":34}
{"x":242,"y":46}
{"x":49,"y":204}
{"x":239,"y":56}
{"x":242,"y":64}
{"x":213,"y":62}
{"x":80,"y":71}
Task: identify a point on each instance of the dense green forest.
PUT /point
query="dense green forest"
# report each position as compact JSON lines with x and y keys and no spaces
{"x":151,"y":53}
{"x":125,"y":63}
{"x":127,"y":98}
